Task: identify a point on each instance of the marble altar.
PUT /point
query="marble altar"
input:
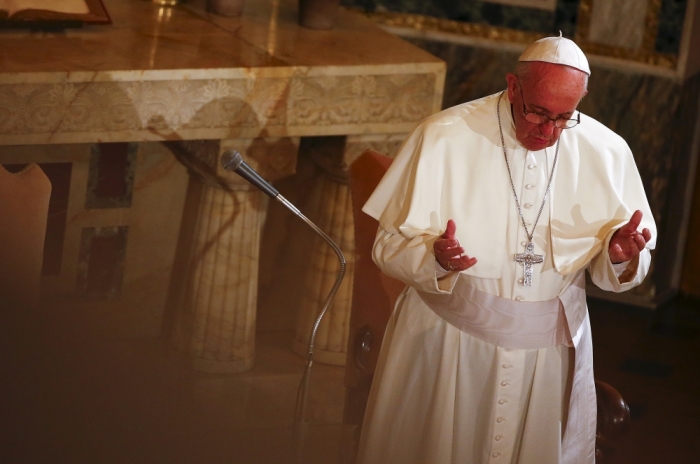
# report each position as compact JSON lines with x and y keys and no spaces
{"x":177,"y":83}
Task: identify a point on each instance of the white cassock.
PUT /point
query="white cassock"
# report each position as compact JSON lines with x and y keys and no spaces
{"x":442,"y":394}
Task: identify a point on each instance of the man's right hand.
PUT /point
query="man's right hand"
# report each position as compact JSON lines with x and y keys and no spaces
{"x":449,"y":254}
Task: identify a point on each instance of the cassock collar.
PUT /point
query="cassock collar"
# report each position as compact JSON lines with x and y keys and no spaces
{"x":506,"y":117}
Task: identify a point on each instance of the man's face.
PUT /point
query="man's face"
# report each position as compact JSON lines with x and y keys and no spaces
{"x":547,"y":89}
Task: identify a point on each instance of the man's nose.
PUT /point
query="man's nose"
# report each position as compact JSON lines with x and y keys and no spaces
{"x":547,"y":128}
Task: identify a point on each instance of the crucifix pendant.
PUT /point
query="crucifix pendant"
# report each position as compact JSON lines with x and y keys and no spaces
{"x":527,"y":259}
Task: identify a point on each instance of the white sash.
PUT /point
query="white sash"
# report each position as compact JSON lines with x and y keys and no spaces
{"x":509,"y":323}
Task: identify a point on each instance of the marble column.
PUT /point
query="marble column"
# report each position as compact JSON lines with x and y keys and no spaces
{"x":331,"y":210}
{"x":215,"y":302}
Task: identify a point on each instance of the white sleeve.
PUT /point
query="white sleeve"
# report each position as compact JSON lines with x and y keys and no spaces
{"x":618,"y":277}
{"x":412,"y":261}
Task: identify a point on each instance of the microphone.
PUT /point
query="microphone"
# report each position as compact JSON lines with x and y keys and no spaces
{"x":231,"y":160}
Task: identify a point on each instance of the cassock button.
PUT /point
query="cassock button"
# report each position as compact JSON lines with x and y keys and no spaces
{"x":529,"y":186}
{"x":520,"y":281}
{"x":500,"y":419}
{"x":502,"y":401}
{"x":498,"y":437}
{"x":523,"y":243}
{"x":495,"y":455}
{"x":528,"y":205}
{"x":531,"y":166}
{"x":505,"y":384}
{"x":507,"y":366}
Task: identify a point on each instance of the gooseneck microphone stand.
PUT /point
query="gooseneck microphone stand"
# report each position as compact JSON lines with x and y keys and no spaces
{"x":231,"y":160}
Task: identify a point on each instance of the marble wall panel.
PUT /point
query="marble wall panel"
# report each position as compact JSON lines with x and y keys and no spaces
{"x":690,"y":278}
{"x":525,"y":15}
{"x":620,"y":23}
{"x":111,"y":181}
{"x":686,"y":147}
{"x":671,"y":18}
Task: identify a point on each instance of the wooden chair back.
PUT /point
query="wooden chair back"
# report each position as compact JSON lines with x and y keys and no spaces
{"x":374,"y":293}
{"x":24,"y":206}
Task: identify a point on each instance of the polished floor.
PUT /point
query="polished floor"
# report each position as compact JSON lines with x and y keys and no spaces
{"x":653,"y":359}
{"x":70,"y":395}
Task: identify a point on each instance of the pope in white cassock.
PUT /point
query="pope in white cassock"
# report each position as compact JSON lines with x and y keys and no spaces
{"x":491,"y":213}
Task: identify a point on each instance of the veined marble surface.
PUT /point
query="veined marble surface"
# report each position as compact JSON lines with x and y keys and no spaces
{"x":620,"y":24}
{"x":160,"y":73}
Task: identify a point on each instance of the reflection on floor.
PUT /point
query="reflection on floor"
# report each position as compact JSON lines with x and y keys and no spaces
{"x":70,"y":396}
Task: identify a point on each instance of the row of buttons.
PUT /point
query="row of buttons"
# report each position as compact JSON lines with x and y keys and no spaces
{"x":529,"y":187}
{"x":528,"y":205}
{"x":501,"y":402}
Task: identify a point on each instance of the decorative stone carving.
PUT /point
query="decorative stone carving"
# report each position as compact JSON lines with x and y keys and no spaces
{"x":212,"y":106}
{"x":332,"y":100}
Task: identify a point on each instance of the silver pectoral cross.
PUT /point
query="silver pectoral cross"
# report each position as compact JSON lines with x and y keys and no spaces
{"x":527,"y":259}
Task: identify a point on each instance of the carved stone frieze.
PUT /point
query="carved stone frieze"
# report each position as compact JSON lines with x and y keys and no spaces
{"x":336,"y":100}
{"x":150,"y":107}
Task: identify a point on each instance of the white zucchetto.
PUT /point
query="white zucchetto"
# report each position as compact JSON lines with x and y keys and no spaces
{"x":557,"y":50}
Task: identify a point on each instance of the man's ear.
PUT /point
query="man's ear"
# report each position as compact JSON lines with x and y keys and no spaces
{"x":512,"y":80}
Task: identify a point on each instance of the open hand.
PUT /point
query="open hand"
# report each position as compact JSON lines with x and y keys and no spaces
{"x":449,"y":254}
{"x":627,"y":242}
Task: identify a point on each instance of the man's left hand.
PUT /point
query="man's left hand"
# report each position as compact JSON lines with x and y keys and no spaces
{"x":626,"y":243}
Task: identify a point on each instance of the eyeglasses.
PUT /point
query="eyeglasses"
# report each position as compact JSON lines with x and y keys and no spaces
{"x":539,"y":118}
